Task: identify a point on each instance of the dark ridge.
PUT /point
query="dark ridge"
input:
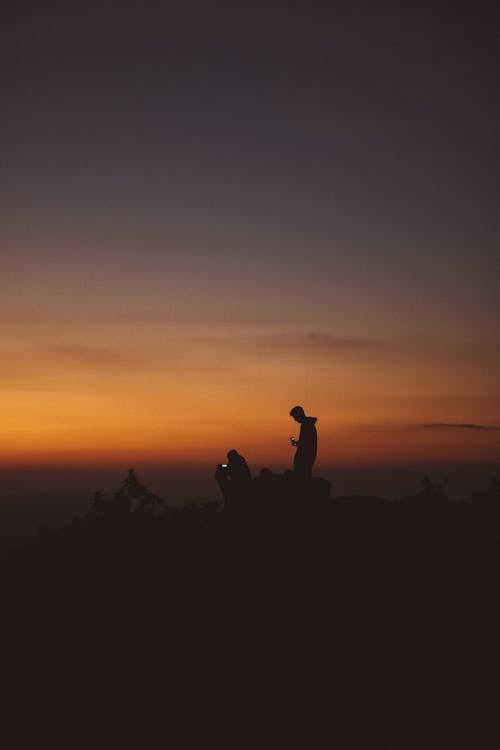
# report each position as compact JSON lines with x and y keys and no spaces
{"x":270,"y":613}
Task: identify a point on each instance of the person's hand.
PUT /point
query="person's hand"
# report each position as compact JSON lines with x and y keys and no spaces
{"x":293,"y":442}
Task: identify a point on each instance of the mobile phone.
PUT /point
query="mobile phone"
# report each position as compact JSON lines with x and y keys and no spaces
{"x":224,"y":466}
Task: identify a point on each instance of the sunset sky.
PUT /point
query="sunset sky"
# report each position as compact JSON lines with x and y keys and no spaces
{"x":211,"y":214}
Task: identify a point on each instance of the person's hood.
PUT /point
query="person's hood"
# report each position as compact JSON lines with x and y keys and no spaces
{"x":311,"y":420}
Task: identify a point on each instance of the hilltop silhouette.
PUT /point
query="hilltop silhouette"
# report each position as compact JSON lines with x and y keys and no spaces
{"x":284,"y":608}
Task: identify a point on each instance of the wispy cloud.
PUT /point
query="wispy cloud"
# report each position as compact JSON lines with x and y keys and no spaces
{"x":458,"y":426}
{"x":91,"y":356}
{"x":312,"y":342}
{"x":329,"y":342}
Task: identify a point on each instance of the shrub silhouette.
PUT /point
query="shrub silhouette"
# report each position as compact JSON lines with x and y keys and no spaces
{"x":489,"y":498}
{"x":130,"y":497}
{"x":433,"y":490}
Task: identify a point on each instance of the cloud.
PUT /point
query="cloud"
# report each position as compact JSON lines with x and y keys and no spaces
{"x":89,"y":356}
{"x":322,"y":341}
{"x":410,"y":349}
{"x":226,"y":348}
{"x":140,"y":316}
{"x":330,"y":342}
{"x":320,"y":345}
{"x":459,"y":426}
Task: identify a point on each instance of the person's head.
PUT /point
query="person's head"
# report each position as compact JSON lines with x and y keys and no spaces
{"x":234,"y":457}
{"x":298,"y":413}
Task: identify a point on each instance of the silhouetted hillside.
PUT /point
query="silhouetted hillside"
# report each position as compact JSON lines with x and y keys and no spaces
{"x":134,"y":524}
{"x":291,"y":602}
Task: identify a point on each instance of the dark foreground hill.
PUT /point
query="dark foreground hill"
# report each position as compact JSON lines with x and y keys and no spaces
{"x":287,"y":617}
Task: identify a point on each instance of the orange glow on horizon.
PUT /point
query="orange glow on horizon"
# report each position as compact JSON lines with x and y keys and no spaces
{"x":179,"y":398}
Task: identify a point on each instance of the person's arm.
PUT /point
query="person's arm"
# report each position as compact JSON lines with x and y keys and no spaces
{"x":302,"y":438}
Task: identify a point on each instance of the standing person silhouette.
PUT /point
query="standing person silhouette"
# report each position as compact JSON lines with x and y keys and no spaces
{"x":306,"y":445}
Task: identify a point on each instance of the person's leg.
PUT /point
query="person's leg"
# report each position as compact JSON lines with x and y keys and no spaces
{"x":303,"y":469}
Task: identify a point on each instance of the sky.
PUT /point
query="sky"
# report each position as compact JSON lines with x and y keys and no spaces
{"x":211,"y":212}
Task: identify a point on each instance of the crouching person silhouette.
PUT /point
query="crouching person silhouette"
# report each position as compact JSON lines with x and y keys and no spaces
{"x":234,"y":480}
{"x":306,"y":445}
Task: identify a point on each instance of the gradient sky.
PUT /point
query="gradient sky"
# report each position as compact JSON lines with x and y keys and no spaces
{"x":212,"y":213}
